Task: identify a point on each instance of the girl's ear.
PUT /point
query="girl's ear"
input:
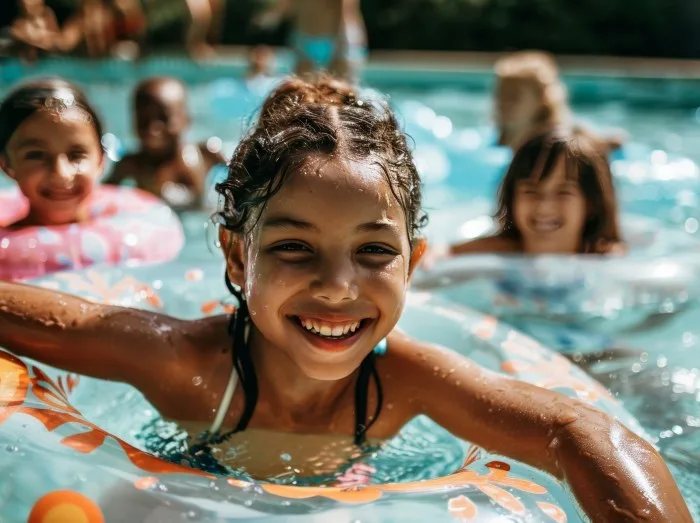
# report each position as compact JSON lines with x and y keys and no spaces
{"x":417,"y":253}
{"x":232,"y":245}
{"x":4,"y":165}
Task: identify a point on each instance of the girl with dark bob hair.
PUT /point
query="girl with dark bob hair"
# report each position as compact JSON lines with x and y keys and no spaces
{"x":557,"y":197}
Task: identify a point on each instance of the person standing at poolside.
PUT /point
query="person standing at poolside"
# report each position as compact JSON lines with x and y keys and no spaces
{"x":35,"y":30}
{"x":327,"y":34}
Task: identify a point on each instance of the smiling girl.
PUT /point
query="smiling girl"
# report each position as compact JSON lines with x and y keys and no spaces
{"x":320,"y":223}
{"x":556,"y":198}
{"x":50,"y":146}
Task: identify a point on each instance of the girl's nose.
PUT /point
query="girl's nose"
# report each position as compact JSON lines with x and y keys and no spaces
{"x":64,"y":171}
{"x":336,"y":282}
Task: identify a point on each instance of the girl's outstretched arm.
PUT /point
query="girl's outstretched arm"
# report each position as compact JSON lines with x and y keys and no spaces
{"x":103,"y":341}
{"x":614,"y":474}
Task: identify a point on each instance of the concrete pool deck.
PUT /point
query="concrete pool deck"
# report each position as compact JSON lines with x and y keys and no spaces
{"x":475,"y":62}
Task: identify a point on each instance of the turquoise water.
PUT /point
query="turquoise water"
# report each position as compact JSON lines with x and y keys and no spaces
{"x":421,"y":451}
{"x":661,"y":384}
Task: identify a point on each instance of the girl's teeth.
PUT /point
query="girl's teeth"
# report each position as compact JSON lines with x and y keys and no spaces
{"x":328,"y":330}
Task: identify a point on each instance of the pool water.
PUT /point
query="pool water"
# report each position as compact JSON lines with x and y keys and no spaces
{"x":661,"y":386}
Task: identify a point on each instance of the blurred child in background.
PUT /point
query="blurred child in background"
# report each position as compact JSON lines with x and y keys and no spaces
{"x":166,"y":164}
{"x":531,"y":99}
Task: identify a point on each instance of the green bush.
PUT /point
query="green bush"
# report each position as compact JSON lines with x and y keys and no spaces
{"x":610,"y":27}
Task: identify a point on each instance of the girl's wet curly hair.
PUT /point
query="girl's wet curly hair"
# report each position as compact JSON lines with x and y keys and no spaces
{"x":325,"y":117}
{"x":302,"y":118}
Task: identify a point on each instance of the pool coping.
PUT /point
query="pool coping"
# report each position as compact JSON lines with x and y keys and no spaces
{"x":642,"y":81}
{"x":476,"y":61}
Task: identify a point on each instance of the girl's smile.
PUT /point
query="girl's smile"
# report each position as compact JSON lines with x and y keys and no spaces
{"x":330,"y":251}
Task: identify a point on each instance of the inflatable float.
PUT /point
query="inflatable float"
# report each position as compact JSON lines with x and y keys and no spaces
{"x":59,"y":463}
{"x":124,"y":225}
{"x":659,"y":275}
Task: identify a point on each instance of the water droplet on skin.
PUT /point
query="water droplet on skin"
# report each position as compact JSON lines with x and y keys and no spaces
{"x":253,"y":313}
{"x":197,"y":381}
{"x":390,"y":406}
{"x":436,"y":368}
{"x":285,"y":457}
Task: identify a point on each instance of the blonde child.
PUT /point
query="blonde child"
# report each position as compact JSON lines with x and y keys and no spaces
{"x":531,"y":99}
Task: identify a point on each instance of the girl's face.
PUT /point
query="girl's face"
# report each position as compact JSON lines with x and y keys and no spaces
{"x":326,"y":268}
{"x":161,"y":122}
{"x":550,"y":215}
{"x":55,"y":159}
{"x":517,"y":103}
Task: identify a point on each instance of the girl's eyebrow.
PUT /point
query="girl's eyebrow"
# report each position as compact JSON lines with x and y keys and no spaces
{"x":379,"y":225}
{"x":30,"y":142}
{"x":288,"y":222}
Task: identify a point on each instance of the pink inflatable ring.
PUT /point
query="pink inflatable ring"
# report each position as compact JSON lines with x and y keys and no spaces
{"x":125,"y":224}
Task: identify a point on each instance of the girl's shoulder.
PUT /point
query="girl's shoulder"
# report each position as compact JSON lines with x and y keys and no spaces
{"x":607,"y":248}
{"x":487,"y":245}
{"x":208,"y":335}
{"x":409,"y":357}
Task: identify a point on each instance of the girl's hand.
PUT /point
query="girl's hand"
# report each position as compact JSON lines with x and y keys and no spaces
{"x":357,"y":475}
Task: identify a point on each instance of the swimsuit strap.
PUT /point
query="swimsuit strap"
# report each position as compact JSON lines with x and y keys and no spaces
{"x":225,"y":402}
{"x":379,"y":350}
{"x":367,"y":371}
{"x":228,"y":395}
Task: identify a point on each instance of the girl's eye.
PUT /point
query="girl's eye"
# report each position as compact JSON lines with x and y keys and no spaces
{"x":291,"y":251}
{"x":77,"y":155}
{"x":34,"y":155}
{"x":377,"y":250}
{"x":290,"y":247}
